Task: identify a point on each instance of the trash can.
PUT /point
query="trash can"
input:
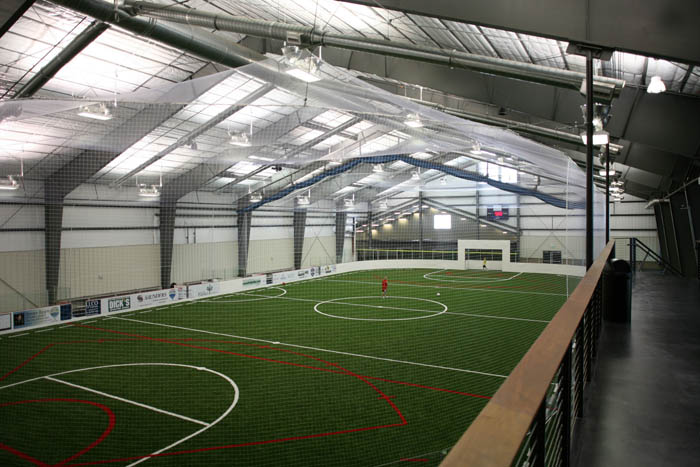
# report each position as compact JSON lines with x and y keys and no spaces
{"x":619,"y":306}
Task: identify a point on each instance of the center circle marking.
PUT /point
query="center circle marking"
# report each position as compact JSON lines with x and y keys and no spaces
{"x":429,"y":314}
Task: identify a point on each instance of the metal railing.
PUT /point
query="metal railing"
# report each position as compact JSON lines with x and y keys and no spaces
{"x":636,"y":244}
{"x":530,"y":419}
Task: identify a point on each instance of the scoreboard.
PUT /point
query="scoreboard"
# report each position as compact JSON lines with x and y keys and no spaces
{"x":497,"y":213}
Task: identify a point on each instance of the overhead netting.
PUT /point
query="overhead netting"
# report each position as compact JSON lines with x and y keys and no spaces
{"x":296,"y":266}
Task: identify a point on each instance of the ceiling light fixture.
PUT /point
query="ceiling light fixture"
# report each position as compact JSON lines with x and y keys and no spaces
{"x":240,"y":139}
{"x":100,"y":113}
{"x":415,"y":175}
{"x":261,"y":158}
{"x":656,"y":85}
{"x":9,"y":183}
{"x":349,"y":202}
{"x":152,"y":191}
{"x":304,"y":200}
{"x":306,"y":68}
{"x":600,"y":137}
{"x":413,"y":121}
{"x":377,"y":168}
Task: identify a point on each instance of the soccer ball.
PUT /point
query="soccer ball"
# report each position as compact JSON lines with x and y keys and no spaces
{"x":438,"y":294}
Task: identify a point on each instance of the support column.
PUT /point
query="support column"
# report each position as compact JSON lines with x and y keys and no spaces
{"x":369,"y":230}
{"x":299,"y":229}
{"x":53,"y":225}
{"x":244,"y":220}
{"x":420,"y":223}
{"x":589,"y":158}
{"x":341,"y":219}
{"x":478,"y":223}
{"x":167,"y":238}
{"x":607,"y":193}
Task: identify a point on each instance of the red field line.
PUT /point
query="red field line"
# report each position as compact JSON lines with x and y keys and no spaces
{"x":252,"y":443}
{"x":101,"y":438}
{"x":338,"y":370}
{"x":27,"y":361}
{"x":405,"y":383}
{"x":239,"y":445}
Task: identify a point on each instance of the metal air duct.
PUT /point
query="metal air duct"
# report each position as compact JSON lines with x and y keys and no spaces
{"x":604,"y":88}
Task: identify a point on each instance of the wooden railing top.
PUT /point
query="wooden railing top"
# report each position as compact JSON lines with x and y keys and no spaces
{"x":495,"y":437}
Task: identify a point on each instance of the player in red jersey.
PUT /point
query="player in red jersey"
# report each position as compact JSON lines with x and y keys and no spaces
{"x":385,"y":284}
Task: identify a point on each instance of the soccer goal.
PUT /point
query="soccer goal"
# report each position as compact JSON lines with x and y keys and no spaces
{"x":472,"y":253}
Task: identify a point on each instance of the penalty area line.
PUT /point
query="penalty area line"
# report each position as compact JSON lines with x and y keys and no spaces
{"x":121,"y":399}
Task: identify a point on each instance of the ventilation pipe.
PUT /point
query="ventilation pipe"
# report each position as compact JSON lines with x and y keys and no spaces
{"x":604,"y":88}
{"x":234,"y":55}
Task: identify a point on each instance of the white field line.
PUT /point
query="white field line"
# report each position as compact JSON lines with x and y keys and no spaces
{"x":66,"y":326}
{"x":18,"y":335}
{"x":45,"y":330}
{"x":199,"y":368}
{"x":473,"y":315}
{"x":393,"y":284}
{"x":121,"y":399}
{"x":259,"y":297}
{"x":403,"y":362}
{"x":498,"y":317}
{"x":147,"y":311}
{"x":469,"y":279}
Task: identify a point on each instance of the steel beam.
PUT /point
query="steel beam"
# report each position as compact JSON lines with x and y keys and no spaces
{"x":299,"y":224}
{"x":76,"y":46}
{"x":167,"y":229}
{"x":341,"y":219}
{"x":243,"y":223}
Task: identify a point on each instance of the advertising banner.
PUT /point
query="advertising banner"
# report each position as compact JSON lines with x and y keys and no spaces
{"x":157,"y":297}
{"x":66,"y":311}
{"x":117,"y":303}
{"x":301,"y":274}
{"x":93,"y":307}
{"x":5,"y":321}
{"x":203,"y":290}
{"x":253,"y":282}
{"x":27,"y":318}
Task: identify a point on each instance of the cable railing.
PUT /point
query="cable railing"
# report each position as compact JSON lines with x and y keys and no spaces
{"x":530,"y":419}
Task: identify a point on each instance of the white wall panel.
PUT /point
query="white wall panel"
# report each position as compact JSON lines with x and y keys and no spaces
{"x":202,"y":261}
{"x":97,"y":271}
{"x":14,"y":216}
{"x":271,"y":233}
{"x":83,"y":216}
{"x":271,"y":255}
{"x":22,"y":280}
{"x":21,"y":241}
{"x":318,"y":251}
{"x":106,"y":238}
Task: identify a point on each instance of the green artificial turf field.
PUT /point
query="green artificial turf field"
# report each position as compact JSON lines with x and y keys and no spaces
{"x":320,"y":372}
